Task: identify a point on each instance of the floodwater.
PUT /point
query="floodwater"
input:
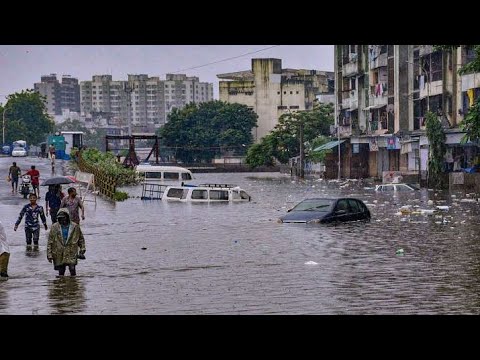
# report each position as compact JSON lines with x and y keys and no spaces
{"x":152,"y":257}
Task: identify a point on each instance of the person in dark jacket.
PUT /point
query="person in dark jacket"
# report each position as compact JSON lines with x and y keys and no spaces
{"x":53,"y":198}
{"x":32,"y":226}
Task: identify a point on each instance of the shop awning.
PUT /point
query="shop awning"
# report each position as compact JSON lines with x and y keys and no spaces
{"x":329,"y":145}
{"x":374,"y":107}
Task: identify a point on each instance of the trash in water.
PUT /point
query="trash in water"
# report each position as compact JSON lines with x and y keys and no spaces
{"x":311,"y":263}
{"x":399,"y":252}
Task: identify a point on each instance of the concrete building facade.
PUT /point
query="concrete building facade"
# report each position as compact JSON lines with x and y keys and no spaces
{"x":272,"y":91}
{"x":59,"y":95}
{"x":383,"y":93}
{"x":142,"y":101}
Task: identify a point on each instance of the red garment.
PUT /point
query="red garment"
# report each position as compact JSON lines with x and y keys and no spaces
{"x":35,"y":175}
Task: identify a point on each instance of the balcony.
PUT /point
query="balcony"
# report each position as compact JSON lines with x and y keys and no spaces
{"x":352,"y":101}
{"x":350,"y":69}
{"x":379,"y":61}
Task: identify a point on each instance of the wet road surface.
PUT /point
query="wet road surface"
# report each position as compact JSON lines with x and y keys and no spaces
{"x":237,"y":259}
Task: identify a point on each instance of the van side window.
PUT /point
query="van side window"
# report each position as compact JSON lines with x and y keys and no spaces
{"x":218,"y":195}
{"x":175,"y":193}
{"x":200,"y":194}
{"x":153,"y":175}
{"x":170,"y":176}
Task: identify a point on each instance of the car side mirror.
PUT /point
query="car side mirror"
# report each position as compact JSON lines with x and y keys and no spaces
{"x":340,"y":212}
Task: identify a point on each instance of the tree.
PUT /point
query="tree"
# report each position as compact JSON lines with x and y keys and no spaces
{"x":284,"y":141}
{"x":93,"y":138}
{"x":436,"y":139}
{"x":26,"y":118}
{"x":471,"y":123}
{"x":198,"y":132}
{"x":317,"y":156}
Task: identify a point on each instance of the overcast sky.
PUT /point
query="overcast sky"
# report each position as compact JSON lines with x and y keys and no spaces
{"x":22,"y":65}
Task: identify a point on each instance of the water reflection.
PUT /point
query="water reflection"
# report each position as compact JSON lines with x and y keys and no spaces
{"x":32,"y":252}
{"x":3,"y":295}
{"x":66,"y":295}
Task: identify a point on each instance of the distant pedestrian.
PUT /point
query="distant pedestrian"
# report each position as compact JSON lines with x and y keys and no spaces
{"x":74,"y":204}
{"x":65,"y":244}
{"x":13,"y":173}
{"x":32,"y":226}
{"x":53,"y":198}
{"x":35,"y":176}
{"x":4,"y":252}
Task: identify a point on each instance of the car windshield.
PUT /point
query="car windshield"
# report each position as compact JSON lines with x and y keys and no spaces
{"x":314,"y":205}
{"x":413,"y":187}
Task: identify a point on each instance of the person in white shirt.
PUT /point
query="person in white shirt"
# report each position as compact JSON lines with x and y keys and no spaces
{"x":4,"y":252}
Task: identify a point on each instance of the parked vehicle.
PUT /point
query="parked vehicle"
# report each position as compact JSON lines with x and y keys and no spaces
{"x":323,"y":210}
{"x":25,"y":186}
{"x":195,"y":193}
{"x":19,"y":151}
{"x":163,"y":174}
{"x":396,"y":187}
{"x":6,"y":150}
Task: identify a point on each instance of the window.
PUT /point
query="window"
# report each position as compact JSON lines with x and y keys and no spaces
{"x":354,"y":206}
{"x":186,"y":176}
{"x":218,"y":195}
{"x":342,"y":205}
{"x":152,"y":175}
{"x":176,"y":193}
{"x":200,"y":194}
{"x":170,"y":176}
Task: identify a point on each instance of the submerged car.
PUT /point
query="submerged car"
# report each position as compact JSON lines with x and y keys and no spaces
{"x":323,"y":210}
{"x":19,"y":151}
{"x":396,"y":187}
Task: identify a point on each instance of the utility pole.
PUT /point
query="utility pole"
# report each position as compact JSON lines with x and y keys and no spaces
{"x":302,"y":148}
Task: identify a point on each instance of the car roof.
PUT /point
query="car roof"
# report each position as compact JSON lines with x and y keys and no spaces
{"x":332,"y":199}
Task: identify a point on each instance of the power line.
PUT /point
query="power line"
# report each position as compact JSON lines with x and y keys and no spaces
{"x":227,"y":59}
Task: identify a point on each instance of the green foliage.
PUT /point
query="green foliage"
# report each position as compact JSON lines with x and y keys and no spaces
{"x":93,"y":137}
{"x":472,"y":66}
{"x":109,"y":165}
{"x":437,"y":148}
{"x":283,"y":142}
{"x":198,"y":132}
{"x":120,"y":196}
{"x":471,"y":123}
{"x":317,"y":156}
{"x":258,"y":155}
{"x":26,"y":118}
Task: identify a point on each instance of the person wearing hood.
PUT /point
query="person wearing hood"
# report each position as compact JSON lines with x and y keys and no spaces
{"x":65,"y":244}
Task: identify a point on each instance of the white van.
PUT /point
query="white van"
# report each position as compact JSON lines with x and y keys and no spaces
{"x":160,"y":173}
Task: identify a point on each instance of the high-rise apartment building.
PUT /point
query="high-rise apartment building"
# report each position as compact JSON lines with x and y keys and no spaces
{"x":59,"y":95}
{"x":143,"y":101}
{"x":383,"y":93}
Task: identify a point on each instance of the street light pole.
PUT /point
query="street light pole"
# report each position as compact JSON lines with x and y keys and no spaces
{"x":3,"y":124}
{"x":3,"y":130}
{"x":128,"y":88}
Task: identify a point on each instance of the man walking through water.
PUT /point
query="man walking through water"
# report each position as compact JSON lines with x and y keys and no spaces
{"x":14,"y":172}
{"x":32,"y":227}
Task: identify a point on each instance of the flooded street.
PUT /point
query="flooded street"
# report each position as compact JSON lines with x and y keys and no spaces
{"x":237,"y":259}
